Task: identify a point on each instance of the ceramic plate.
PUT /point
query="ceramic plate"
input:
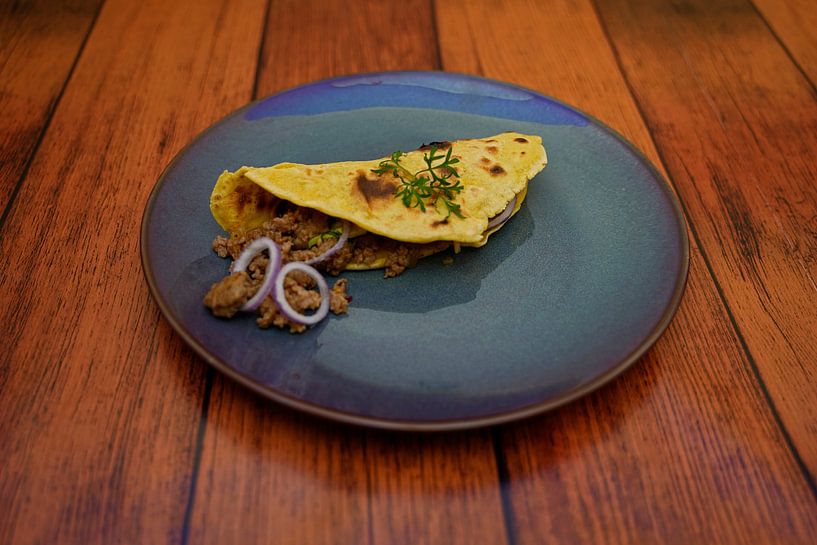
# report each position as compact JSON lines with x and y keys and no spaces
{"x":569,"y":293}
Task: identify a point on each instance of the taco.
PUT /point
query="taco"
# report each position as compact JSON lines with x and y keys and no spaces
{"x":493,"y":174}
{"x":383,"y":213}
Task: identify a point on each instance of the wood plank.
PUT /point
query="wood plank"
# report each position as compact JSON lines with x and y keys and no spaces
{"x":100,"y":401}
{"x":39,"y":42}
{"x":677,"y":451}
{"x":313,"y":40}
{"x":794,"y":22}
{"x":268,"y":474}
{"x":737,"y":122}
{"x":682,"y":448}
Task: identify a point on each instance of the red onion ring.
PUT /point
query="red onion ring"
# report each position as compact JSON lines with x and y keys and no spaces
{"x":280,"y":298}
{"x":270,"y":273}
{"x":334,"y":249}
{"x":503,"y":216}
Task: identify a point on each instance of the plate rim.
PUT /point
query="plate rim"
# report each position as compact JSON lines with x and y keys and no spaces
{"x":408,"y":424}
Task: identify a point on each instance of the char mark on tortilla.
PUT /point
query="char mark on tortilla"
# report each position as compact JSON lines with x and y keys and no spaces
{"x":255,"y":196}
{"x":495,"y":170}
{"x":444,"y":145}
{"x":374,"y":189}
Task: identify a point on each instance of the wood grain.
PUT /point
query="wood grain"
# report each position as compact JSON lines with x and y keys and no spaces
{"x":270,"y":476}
{"x":312,"y":40}
{"x":794,"y":23}
{"x":99,"y":401}
{"x":738,"y":125}
{"x":109,"y":430}
{"x":683,"y":447}
{"x":39,"y":42}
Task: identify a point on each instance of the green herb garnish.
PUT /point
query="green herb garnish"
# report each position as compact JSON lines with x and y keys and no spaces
{"x":317,"y":239}
{"x":427,"y":186}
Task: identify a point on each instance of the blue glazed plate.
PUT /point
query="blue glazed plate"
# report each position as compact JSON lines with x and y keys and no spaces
{"x":570,"y":292}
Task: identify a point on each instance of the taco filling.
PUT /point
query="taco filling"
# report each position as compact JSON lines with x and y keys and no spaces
{"x":382,"y":214}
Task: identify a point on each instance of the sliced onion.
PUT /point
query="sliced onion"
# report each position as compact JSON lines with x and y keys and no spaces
{"x":270,"y":273}
{"x":502,"y":217}
{"x":334,"y":249}
{"x":280,"y":298}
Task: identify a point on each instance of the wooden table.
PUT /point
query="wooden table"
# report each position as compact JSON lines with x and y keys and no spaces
{"x":113,"y":431}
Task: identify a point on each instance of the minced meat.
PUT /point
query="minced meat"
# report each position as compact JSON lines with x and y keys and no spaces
{"x":227,"y":297}
{"x":291,"y":231}
{"x":338,"y":300}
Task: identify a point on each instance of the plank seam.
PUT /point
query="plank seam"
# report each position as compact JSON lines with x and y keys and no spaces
{"x":261,"y":46}
{"x":438,"y":57}
{"x":48,"y":118}
{"x":809,"y":478}
{"x":764,"y":390}
{"x":198,"y":449}
{"x":504,"y":479}
{"x":369,"y":493}
{"x":209,"y":376}
{"x":499,"y":455}
{"x":788,"y":52}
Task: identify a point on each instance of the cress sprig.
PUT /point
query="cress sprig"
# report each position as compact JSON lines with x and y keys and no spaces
{"x":427,"y":186}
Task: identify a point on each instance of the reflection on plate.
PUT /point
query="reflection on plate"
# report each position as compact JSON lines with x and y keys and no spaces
{"x":569,"y":293}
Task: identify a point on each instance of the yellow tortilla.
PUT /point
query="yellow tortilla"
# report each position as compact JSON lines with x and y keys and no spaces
{"x":492,"y":171}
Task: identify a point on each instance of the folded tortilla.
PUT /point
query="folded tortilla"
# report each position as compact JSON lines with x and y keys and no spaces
{"x":492,"y":170}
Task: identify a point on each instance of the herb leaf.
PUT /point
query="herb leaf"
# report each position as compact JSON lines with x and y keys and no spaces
{"x":317,"y":239}
{"x":427,"y":186}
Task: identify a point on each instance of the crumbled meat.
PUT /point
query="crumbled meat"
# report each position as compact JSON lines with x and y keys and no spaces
{"x":257,"y":268}
{"x":301,"y":298}
{"x":338,"y":300}
{"x":226,"y":297}
{"x":337,"y":262}
{"x":269,"y":316}
{"x":291,"y":231}
{"x":221,"y":246}
{"x":306,"y":224}
{"x":365,"y":249}
{"x":397,"y":256}
{"x":398,"y":261}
